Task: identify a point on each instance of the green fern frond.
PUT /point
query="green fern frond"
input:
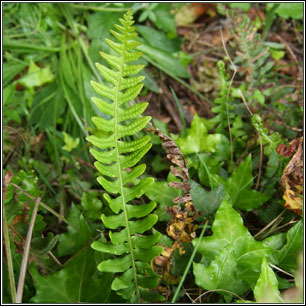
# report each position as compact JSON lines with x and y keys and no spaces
{"x":116,"y":161}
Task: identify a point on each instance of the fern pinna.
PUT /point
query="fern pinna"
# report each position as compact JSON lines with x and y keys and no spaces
{"x":116,"y":159}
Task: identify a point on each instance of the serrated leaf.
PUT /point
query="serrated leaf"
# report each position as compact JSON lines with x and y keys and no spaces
{"x":266,"y":289}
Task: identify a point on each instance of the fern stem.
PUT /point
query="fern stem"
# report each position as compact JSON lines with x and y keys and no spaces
{"x":189,"y":263}
{"x":121,"y":180}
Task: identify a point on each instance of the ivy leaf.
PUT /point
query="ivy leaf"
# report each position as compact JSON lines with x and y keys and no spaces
{"x":239,"y":187}
{"x":206,"y":201}
{"x":36,"y":76}
{"x":164,"y":195}
{"x":286,"y":257}
{"x":77,"y":236}
{"x":266,"y":289}
{"x":70,"y":143}
{"x":230,"y":234}
{"x":77,"y":282}
{"x":221,"y":274}
{"x":197,"y":139}
{"x":288,"y":10}
{"x":227,"y":227}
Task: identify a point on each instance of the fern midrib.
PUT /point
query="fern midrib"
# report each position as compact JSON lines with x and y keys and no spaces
{"x":119,"y":172}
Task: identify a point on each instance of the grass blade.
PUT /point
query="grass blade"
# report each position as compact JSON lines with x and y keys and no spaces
{"x":189,"y":264}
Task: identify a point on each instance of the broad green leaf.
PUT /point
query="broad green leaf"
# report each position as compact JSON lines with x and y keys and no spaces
{"x":209,"y":168}
{"x":70,"y":143}
{"x":76,"y":282}
{"x":163,"y":195}
{"x":227,"y":228}
{"x":239,"y":187}
{"x":286,"y":257}
{"x":8,"y":94}
{"x":266,"y":289}
{"x":42,"y":246}
{"x":77,"y":236}
{"x":165,"y":60}
{"x":197,"y":139}
{"x":206,"y":201}
{"x":92,"y":205}
{"x":48,"y":106}
{"x":158,"y":39}
{"x":277,"y":54}
{"x":221,"y":274}
{"x":164,"y":19}
{"x":36,"y":76}
{"x":100,"y":23}
{"x":243,"y":6}
{"x":289,"y":10}
{"x":229,"y":233}
{"x":259,"y":97}
{"x":10,"y":70}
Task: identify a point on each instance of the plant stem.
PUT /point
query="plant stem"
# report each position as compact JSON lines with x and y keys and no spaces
{"x":189,"y":264}
{"x":9,"y":257}
{"x":26,"y":253}
{"x":18,"y":45}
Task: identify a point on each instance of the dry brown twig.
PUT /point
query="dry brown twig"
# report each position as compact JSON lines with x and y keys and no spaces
{"x":26,"y":252}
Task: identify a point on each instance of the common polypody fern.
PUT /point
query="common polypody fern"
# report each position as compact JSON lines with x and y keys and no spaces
{"x":115,"y":160}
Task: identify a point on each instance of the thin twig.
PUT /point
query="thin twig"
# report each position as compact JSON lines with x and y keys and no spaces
{"x":228,"y":93}
{"x":55,"y":259}
{"x":260,"y":162}
{"x":260,"y":141}
{"x":269,"y":225}
{"x":42,"y":204}
{"x":245,"y":102}
{"x":188,"y":294}
{"x":281,"y":270}
{"x":216,"y":290}
{"x":6,"y":237}
{"x":26,"y":254}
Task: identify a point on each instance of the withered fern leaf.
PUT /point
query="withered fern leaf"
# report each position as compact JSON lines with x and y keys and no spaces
{"x":120,"y":177}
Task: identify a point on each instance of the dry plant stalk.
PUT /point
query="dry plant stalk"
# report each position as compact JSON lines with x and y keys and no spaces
{"x":180,"y":227}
